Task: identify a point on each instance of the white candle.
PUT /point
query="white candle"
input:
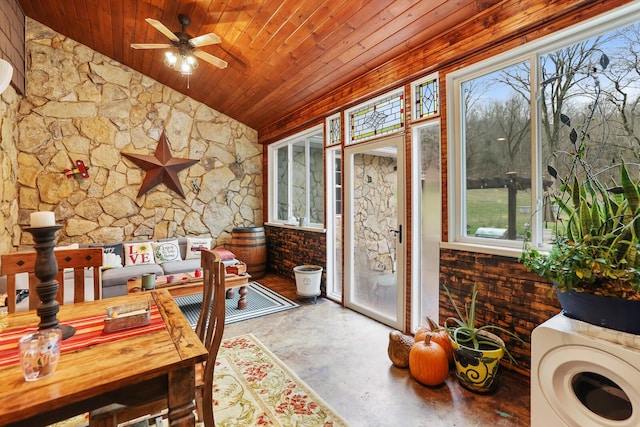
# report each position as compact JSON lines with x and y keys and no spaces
{"x":43,"y":219}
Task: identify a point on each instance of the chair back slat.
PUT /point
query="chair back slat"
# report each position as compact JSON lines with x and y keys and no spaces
{"x":77,"y":259}
{"x":210,"y":326}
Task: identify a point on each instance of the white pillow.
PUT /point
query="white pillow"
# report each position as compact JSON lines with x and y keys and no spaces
{"x":111,"y":255}
{"x":138,"y":253}
{"x":195,"y":244}
{"x":167,"y":250}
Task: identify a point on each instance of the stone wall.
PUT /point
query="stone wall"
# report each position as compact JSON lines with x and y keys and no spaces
{"x":375,"y":205}
{"x":81,"y":105}
{"x":8,"y":167}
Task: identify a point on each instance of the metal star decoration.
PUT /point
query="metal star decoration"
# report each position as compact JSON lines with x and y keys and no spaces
{"x":161,"y":168}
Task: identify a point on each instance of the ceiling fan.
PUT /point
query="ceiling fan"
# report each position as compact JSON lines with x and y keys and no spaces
{"x":186,"y":44}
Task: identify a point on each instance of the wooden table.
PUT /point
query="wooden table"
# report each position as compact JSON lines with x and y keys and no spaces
{"x":115,"y":371}
{"x":187,"y":284}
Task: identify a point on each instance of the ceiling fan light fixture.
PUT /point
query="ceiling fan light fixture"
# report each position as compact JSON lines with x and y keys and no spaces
{"x":183,"y":47}
{"x":187,"y":64}
{"x":185,"y":68}
{"x":170,"y":59}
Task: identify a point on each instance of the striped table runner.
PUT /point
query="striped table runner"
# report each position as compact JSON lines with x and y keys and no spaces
{"x":89,"y":331}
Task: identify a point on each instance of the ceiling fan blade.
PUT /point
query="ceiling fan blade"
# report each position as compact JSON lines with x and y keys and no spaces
{"x":210,"y":58}
{"x":205,"y":39}
{"x":149,"y":46}
{"x":164,"y":30}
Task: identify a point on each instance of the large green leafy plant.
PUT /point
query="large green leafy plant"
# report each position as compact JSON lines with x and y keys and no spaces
{"x":596,"y":246}
{"x":598,"y":250}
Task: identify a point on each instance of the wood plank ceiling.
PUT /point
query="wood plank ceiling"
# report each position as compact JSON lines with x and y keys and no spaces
{"x":282,"y":54}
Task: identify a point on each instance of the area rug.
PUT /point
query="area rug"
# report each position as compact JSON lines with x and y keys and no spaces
{"x":252,"y":387}
{"x":260,"y":302}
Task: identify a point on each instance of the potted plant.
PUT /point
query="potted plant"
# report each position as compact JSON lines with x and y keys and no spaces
{"x":594,"y":260}
{"x":477,"y":351}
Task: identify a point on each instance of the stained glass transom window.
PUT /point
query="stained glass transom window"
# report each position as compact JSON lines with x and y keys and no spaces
{"x":333,"y":125}
{"x":426,"y":99}
{"x":379,"y":117}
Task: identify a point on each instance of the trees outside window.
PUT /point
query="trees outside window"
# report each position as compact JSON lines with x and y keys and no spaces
{"x":512,"y":123}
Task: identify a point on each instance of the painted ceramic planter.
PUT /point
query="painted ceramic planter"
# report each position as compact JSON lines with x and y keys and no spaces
{"x":476,"y":370}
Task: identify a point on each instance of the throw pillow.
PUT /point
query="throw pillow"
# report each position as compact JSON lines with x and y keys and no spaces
{"x":195,"y":245}
{"x":112,"y":256}
{"x":224,"y":254}
{"x":138,"y":253}
{"x":167,"y":250}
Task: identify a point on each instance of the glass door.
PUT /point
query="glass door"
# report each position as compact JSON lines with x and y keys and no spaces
{"x":374,"y":204}
{"x":334,"y":223}
{"x":427,"y":222}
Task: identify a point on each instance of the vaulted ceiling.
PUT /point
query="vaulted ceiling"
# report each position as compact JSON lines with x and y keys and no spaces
{"x":281,"y":54}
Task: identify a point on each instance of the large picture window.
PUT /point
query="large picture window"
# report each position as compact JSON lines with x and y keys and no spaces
{"x":296,"y":167}
{"x":510,"y":123}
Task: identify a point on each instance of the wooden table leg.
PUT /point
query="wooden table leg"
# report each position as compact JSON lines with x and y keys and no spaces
{"x":182,"y":393}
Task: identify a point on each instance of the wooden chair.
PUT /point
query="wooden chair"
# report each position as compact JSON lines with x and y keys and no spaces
{"x":209,"y":329}
{"x":77,"y":259}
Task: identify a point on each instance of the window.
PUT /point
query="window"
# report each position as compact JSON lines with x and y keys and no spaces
{"x":426,"y":98}
{"x":509,"y":123}
{"x":333,"y":126}
{"x":381,"y":116}
{"x":297,"y":179}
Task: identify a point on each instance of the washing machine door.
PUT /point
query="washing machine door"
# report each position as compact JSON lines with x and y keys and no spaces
{"x":586,"y":386}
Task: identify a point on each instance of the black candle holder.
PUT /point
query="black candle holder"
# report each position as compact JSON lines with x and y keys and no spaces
{"x":45,"y":270}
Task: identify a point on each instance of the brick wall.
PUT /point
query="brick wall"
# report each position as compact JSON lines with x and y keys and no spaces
{"x":12,"y":41}
{"x":290,"y":247}
{"x":508,"y":295}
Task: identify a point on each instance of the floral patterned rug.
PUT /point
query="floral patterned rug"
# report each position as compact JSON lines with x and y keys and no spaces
{"x":252,"y":387}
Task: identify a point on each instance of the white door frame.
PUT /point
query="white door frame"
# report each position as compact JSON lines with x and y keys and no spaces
{"x":348,"y":193}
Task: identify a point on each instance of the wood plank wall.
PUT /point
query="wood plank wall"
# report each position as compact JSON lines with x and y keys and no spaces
{"x":508,"y":295}
{"x":505,"y":26}
{"x":12,"y":41}
{"x":290,"y":247}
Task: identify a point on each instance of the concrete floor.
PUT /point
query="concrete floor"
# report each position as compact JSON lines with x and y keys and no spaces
{"x":342,"y":355}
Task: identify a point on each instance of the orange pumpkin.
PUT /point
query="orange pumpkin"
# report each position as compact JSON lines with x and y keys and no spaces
{"x":428,"y":362}
{"x":441,"y":337}
{"x":421,"y":333}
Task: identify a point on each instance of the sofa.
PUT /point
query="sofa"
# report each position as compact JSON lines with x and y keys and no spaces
{"x":123,"y":261}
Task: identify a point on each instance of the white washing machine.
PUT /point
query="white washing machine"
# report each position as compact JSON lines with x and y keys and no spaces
{"x":584,"y":375}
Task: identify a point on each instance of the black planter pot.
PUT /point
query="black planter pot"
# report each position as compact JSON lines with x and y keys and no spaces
{"x":613,"y":313}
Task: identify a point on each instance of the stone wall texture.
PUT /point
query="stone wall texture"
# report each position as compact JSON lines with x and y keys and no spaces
{"x":375,"y":213}
{"x":81,"y":105}
{"x":8,"y":168}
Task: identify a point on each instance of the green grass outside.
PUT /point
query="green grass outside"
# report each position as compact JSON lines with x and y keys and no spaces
{"x":489,"y":208}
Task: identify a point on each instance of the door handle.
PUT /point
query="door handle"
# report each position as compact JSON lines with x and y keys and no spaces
{"x":397,"y":233}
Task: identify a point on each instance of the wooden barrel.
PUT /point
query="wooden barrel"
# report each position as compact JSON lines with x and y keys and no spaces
{"x":249,"y":244}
